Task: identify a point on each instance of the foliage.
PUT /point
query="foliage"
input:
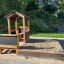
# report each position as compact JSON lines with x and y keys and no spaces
{"x":62,"y":5}
{"x":42,"y":15}
{"x":52,"y":35}
{"x":31,"y":5}
{"x":50,"y":8}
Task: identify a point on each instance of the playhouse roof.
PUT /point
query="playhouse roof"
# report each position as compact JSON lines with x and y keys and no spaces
{"x":15,"y":14}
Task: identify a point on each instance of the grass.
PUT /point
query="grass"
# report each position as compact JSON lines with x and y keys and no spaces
{"x":56,"y":35}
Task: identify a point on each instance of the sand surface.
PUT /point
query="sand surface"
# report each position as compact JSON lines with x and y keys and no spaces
{"x":17,"y":59}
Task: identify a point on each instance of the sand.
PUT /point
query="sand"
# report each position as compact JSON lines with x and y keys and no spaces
{"x":16,"y":59}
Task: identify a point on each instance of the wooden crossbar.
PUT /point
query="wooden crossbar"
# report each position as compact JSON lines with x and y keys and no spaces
{"x":8,"y":35}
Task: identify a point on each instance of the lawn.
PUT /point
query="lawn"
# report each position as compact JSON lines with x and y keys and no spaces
{"x":55,"y":35}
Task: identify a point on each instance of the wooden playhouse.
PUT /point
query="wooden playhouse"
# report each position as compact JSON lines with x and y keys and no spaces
{"x":18,"y":35}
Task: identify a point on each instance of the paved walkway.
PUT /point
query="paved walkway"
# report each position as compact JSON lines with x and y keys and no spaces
{"x":32,"y":37}
{"x":15,"y":59}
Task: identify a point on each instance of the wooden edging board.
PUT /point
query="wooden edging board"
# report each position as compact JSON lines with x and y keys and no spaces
{"x":39,"y":52}
{"x":8,"y":46}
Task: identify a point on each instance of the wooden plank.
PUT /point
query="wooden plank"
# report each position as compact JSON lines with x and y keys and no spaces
{"x":39,"y":52}
{"x":28,"y":25}
{"x":16,"y":27}
{"x":0,"y":51}
{"x":22,"y":27}
{"x":7,"y":46}
{"x":7,"y":34}
{"x":24,"y":35}
{"x":21,"y":43}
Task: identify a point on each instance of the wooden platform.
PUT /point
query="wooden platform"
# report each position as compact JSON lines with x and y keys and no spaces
{"x":33,"y":46}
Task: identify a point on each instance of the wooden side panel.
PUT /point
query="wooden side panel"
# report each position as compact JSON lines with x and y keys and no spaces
{"x":7,"y":40}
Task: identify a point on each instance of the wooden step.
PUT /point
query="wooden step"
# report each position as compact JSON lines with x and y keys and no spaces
{"x":21,"y":43}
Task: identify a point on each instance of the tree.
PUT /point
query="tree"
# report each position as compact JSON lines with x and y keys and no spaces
{"x":32,"y":5}
{"x":50,"y":6}
{"x":62,"y":5}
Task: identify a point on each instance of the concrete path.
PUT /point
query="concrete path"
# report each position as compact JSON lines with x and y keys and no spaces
{"x":32,"y":37}
{"x":15,"y":59}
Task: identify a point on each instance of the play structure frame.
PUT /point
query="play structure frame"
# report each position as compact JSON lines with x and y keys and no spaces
{"x":15,"y":15}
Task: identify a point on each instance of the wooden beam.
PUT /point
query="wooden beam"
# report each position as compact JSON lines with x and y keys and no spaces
{"x":7,"y":46}
{"x":21,"y":43}
{"x":0,"y":51}
{"x":9,"y":25}
{"x":22,"y":27}
{"x":24,"y":35}
{"x":7,"y":34}
{"x":39,"y":52}
{"x":16,"y":26}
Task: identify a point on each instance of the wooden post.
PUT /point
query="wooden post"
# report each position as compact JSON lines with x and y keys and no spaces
{"x":24,"y":34}
{"x":28,"y":25}
{"x":16,"y":26}
{"x":0,"y":51}
{"x":9,"y":26}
